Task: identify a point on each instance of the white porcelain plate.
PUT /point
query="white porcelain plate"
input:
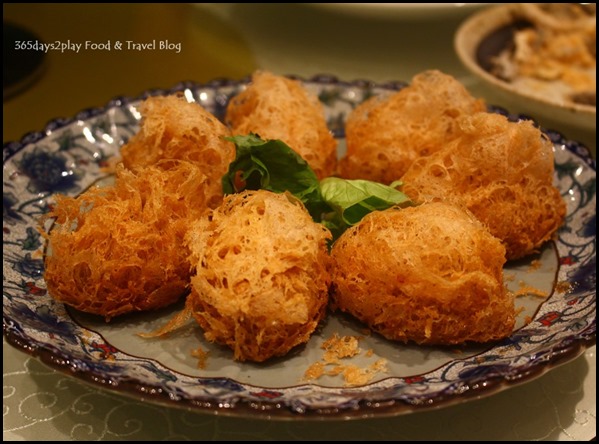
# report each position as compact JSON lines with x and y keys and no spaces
{"x":68,"y":157}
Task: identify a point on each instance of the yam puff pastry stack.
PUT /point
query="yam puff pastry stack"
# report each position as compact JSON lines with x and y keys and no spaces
{"x":386,"y":133}
{"x":261,"y":274}
{"x":275,"y":107}
{"x":502,"y":172}
{"x":118,"y":249}
{"x":432,"y":274}
{"x":258,"y":269}
{"x":173,"y":128}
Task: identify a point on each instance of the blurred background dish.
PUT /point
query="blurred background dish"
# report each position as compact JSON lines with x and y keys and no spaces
{"x":534,"y":58}
{"x":21,"y":68}
{"x":401,"y":10}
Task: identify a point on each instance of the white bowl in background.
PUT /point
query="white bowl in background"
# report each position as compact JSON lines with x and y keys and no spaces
{"x":489,"y":28}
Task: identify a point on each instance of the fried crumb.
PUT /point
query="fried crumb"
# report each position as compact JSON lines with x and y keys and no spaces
{"x":202,"y":357}
{"x":528,"y":290}
{"x":564,"y":287}
{"x":354,"y":375}
{"x":534,"y":265}
{"x":380,"y":365}
{"x":337,"y":347}
{"x":343,"y":347}
{"x":337,"y":370}
{"x":315,"y":371}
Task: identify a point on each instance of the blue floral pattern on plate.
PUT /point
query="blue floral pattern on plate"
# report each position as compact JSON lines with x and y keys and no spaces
{"x":70,"y":155}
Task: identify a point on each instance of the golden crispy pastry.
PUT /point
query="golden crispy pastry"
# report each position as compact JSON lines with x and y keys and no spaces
{"x":261,"y":283}
{"x":118,"y":249}
{"x":275,"y":107}
{"x":384,"y":135}
{"x":173,"y":128}
{"x":502,"y":171}
{"x":431,"y":274}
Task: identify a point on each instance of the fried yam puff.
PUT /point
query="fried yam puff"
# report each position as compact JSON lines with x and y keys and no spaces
{"x":118,"y":249}
{"x":172,"y":128}
{"x":502,"y":171}
{"x":261,"y":283}
{"x":275,"y":107}
{"x":384,"y":135}
{"x":430,"y":274}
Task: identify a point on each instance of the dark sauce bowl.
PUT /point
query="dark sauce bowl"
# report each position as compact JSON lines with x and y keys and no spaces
{"x":484,"y":35}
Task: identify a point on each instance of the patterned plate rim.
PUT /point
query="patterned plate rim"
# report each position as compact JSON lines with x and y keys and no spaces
{"x":568,"y":349}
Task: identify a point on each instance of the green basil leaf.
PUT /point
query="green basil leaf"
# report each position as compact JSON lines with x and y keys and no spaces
{"x":272,"y":165}
{"x":354,"y":199}
{"x":334,"y":202}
